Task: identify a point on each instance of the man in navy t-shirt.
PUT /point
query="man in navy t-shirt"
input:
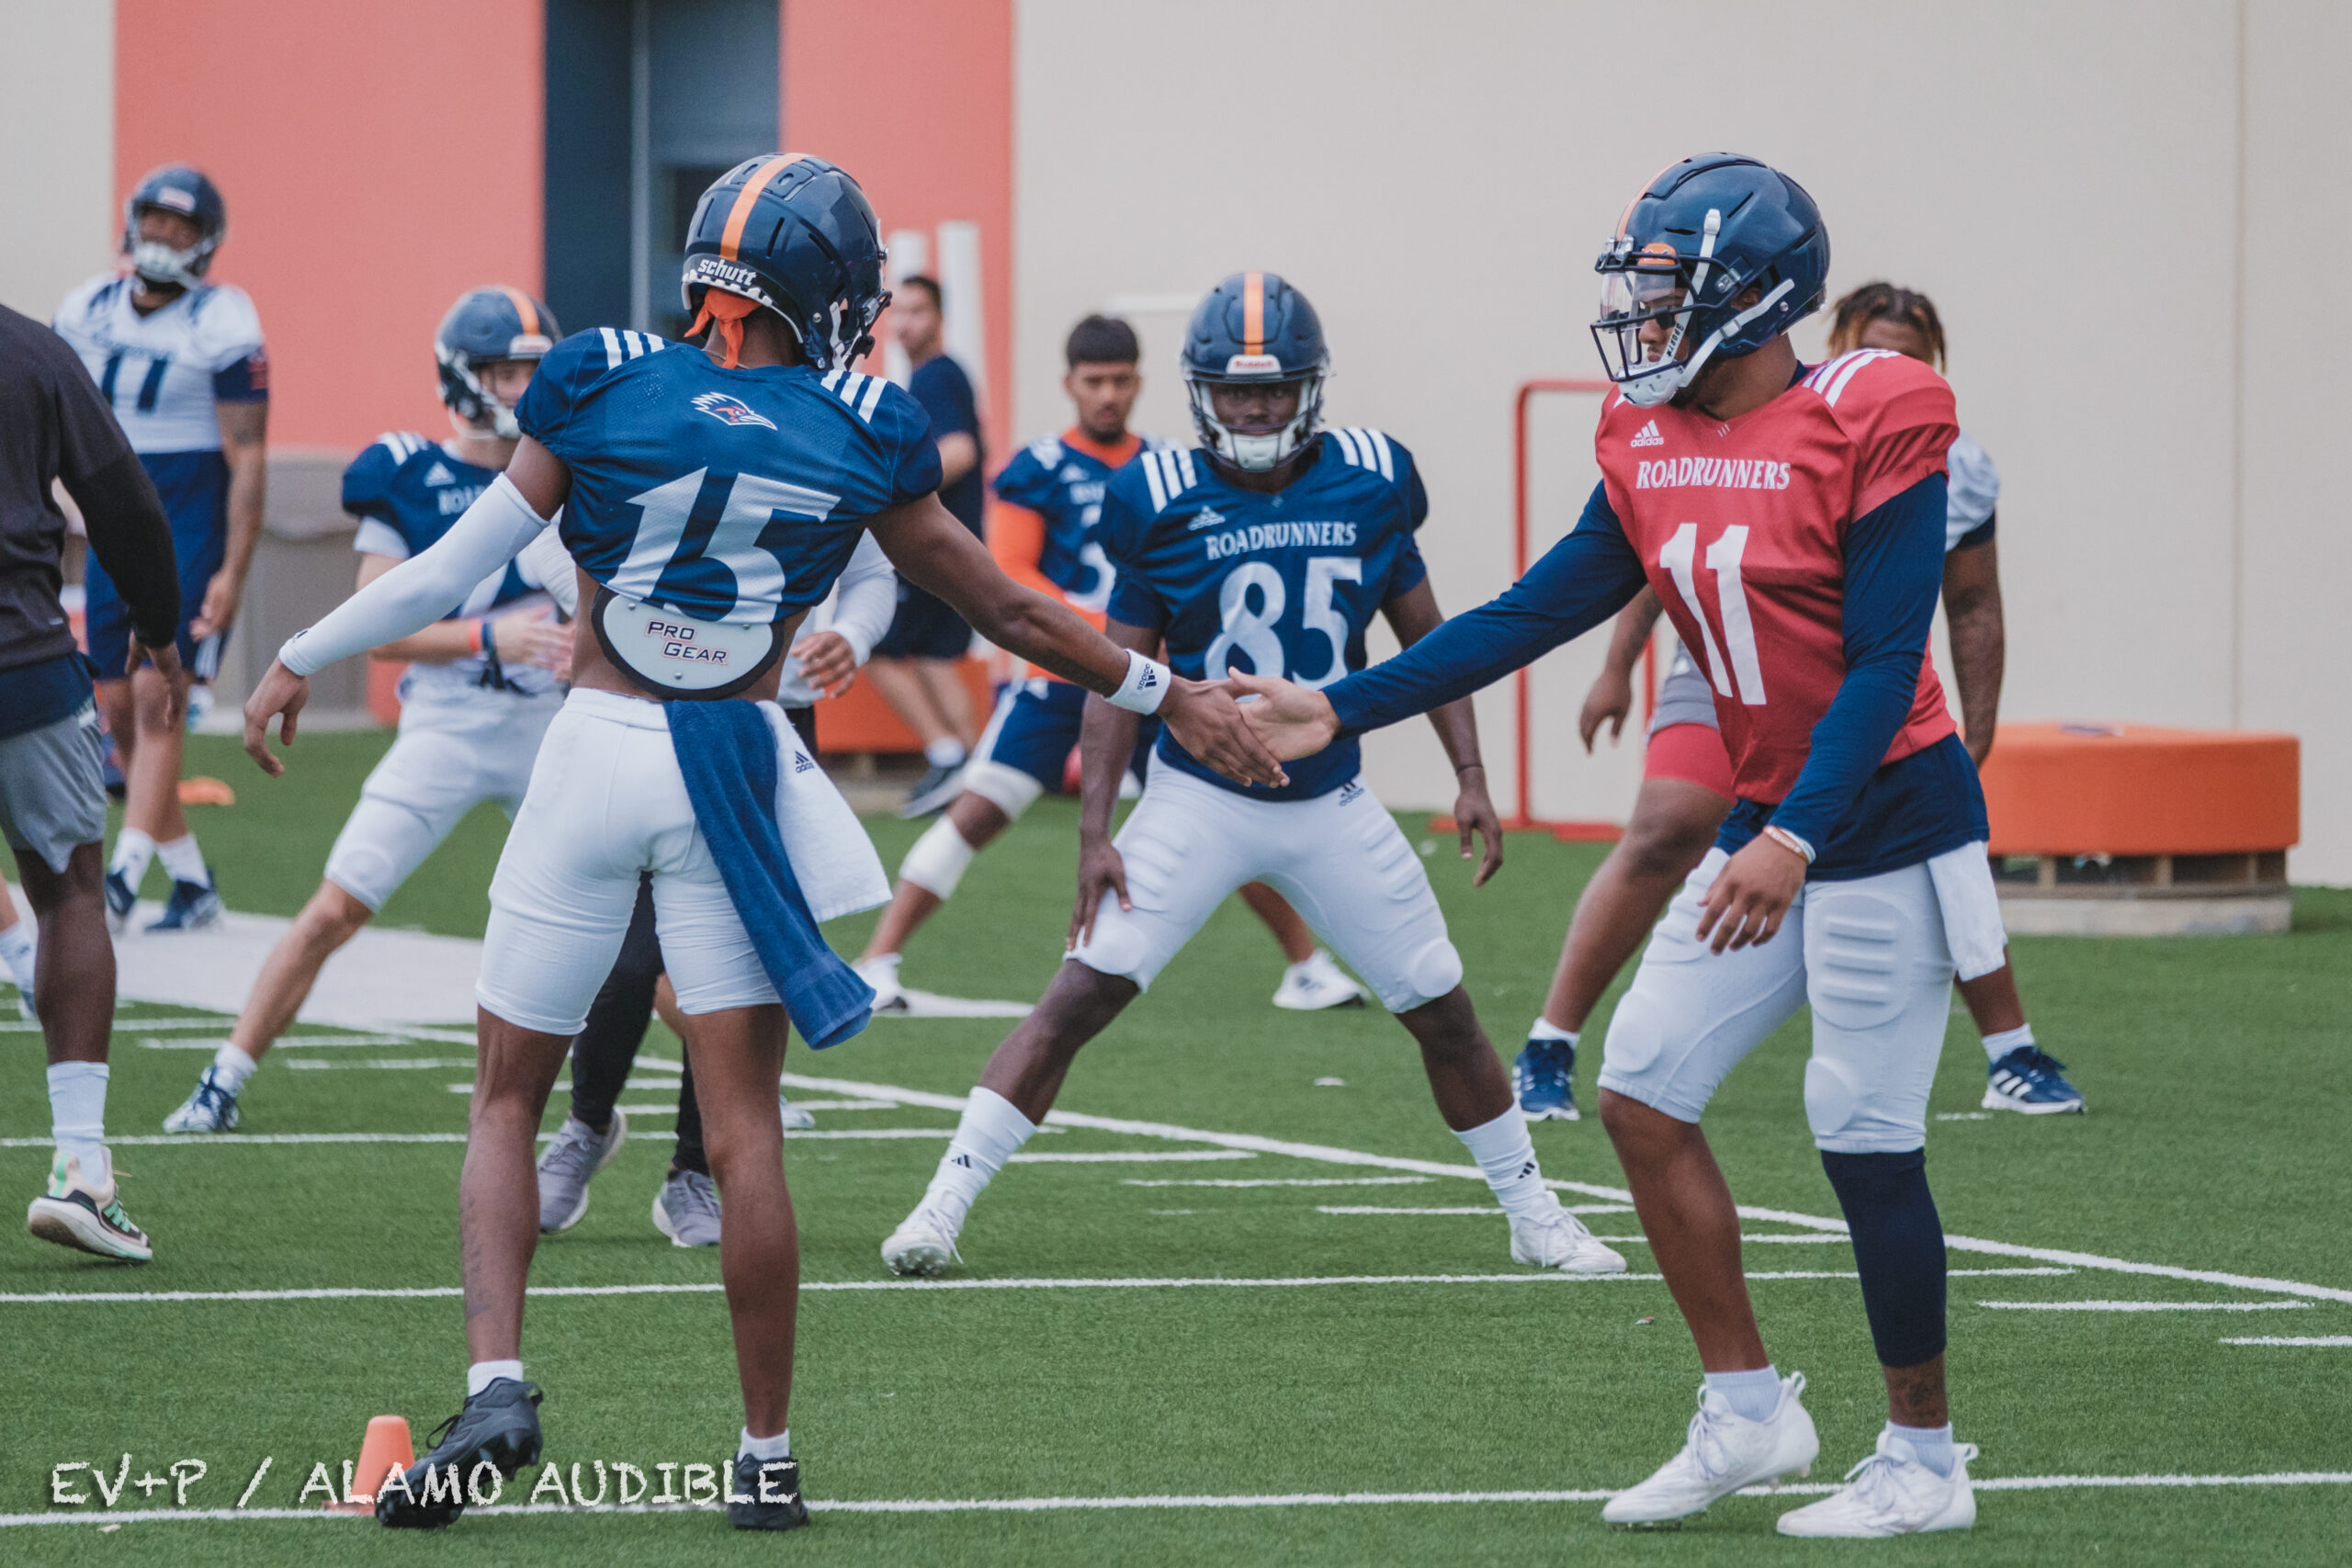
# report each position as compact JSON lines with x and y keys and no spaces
{"x":914,"y":664}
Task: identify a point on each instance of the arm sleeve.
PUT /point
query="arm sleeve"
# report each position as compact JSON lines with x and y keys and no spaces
{"x":868,"y":591}
{"x":1581,"y":582}
{"x":1017,"y":540}
{"x":132,"y":540}
{"x":1894,"y":570}
{"x":425,"y":588}
{"x":547,"y":564}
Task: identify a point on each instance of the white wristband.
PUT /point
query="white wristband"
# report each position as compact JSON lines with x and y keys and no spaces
{"x":1788,"y":841}
{"x":1146,"y":687}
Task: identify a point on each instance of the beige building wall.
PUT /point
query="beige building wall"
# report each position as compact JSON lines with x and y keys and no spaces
{"x":2085,"y":189}
{"x":57,"y":197}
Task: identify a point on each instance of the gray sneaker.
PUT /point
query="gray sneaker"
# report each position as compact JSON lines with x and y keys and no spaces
{"x":578,"y":1153}
{"x":686,"y":1210}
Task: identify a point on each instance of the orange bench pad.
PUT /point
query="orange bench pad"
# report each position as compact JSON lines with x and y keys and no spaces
{"x":2130,"y":789}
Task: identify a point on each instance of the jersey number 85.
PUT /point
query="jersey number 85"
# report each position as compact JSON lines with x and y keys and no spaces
{"x":1253,"y":628}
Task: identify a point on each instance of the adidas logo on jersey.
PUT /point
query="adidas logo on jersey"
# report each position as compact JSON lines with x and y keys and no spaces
{"x":1648,"y":436}
{"x":439,"y":474}
{"x":801,"y":762}
{"x":1210,"y":517}
{"x":731,"y":409}
{"x":1350,"y":792}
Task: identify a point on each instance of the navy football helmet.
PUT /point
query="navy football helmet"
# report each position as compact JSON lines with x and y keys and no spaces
{"x":184,"y":192}
{"x":1254,"y":327}
{"x":484,"y":325}
{"x":1688,"y":249}
{"x":794,"y":235}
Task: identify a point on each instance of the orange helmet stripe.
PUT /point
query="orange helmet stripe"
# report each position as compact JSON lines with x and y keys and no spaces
{"x":1253,"y":312}
{"x":524,"y":308}
{"x":1626,"y":217}
{"x":745,"y":200}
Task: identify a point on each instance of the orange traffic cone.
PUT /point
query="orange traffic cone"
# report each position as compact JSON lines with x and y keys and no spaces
{"x":386,"y":1445}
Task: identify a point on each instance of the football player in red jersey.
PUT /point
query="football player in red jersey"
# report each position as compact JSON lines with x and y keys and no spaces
{"x":1790,"y":518}
{"x":1686,"y":775}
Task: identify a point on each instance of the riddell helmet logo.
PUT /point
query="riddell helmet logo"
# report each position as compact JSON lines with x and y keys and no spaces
{"x":1254,"y":364}
{"x":731,"y":409}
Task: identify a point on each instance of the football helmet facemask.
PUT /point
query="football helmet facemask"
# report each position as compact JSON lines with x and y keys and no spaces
{"x":1254,"y":329}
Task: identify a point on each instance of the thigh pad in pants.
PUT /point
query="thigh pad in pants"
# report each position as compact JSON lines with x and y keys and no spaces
{"x":1879,"y":974}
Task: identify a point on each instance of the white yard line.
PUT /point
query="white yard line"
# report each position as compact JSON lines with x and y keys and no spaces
{"x":127,"y":1025}
{"x":2142,"y":1306}
{"x":385,"y":1063}
{"x":102,"y":1517}
{"x":2316,"y":1341}
{"x":286,"y":1042}
{"x":1330,"y":1156}
{"x":430,"y":1292}
{"x":1129,"y":1157}
{"x":1284,"y":1181}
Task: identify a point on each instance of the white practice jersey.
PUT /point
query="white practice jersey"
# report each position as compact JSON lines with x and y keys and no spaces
{"x":163,"y":371}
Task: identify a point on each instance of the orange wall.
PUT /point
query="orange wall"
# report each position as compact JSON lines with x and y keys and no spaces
{"x":914,"y":98}
{"x":378,"y":161}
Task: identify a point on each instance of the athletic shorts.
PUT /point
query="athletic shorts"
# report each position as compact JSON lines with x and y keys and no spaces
{"x":201,"y":551}
{"x":53,"y":793}
{"x":1872,"y":957}
{"x":1024,"y":752}
{"x":1694,"y":753}
{"x":925,"y":626}
{"x":450,"y":757}
{"x":606,"y":805}
{"x":1340,"y":859}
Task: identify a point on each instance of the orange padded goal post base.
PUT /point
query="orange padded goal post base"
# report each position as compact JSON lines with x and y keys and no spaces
{"x":2130,"y":789}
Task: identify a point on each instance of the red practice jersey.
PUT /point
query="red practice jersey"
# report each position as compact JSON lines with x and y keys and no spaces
{"x":1741,"y":526}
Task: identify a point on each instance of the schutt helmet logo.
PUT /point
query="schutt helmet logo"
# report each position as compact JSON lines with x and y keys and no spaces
{"x":731,"y":409}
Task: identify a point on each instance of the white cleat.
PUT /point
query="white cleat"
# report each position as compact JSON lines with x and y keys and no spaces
{"x":794,"y":1119}
{"x":922,"y":1245}
{"x":77,"y":1212}
{"x":1722,"y":1453}
{"x":882,"y":974}
{"x":1317,"y":981}
{"x":1559,"y":1240}
{"x":1891,"y":1493}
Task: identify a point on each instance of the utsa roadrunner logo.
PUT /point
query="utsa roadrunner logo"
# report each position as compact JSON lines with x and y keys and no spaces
{"x":731,"y":409}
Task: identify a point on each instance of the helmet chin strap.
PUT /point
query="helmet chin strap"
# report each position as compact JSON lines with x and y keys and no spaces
{"x":159,"y":264}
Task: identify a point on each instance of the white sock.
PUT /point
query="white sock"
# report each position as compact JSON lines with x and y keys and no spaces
{"x":481,"y":1374}
{"x":987,"y":1137}
{"x":888,"y":962}
{"x":777,"y":1447}
{"x":17,"y":952}
{"x":132,"y":851}
{"x":1753,"y":1396}
{"x":1545,"y":1029}
{"x":233,"y":1065}
{"x":1933,"y":1444}
{"x":1506,"y":1153}
{"x":183,"y":861}
{"x":1999,"y":1045}
{"x":77,"y":1113}
{"x":945,"y":753}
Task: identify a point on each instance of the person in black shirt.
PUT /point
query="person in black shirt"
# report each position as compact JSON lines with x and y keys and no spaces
{"x":914,"y":665}
{"x":54,"y":426}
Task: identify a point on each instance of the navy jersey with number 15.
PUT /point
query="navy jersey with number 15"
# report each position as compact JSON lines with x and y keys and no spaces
{"x":724,"y":495}
{"x":1281,"y":584}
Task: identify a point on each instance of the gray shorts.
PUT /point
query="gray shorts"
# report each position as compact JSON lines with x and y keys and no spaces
{"x":1683,"y":697}
{"x":52,"y":791}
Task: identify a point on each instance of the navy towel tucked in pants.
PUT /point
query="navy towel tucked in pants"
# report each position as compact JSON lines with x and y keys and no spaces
{"x":728,"y":754}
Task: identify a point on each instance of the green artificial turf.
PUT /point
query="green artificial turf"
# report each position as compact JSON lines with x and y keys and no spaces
{"x":2214,"y":1067}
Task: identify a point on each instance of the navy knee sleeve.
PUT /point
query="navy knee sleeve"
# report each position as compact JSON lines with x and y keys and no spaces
{"x":1898,"y":1249}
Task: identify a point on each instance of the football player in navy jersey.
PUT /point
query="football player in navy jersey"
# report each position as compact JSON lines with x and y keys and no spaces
{"x":1046,"y":530}
{"x":480,"y":688}
{"x":709,"y":496}
{"x":180,"y":360}
{"x":1270,"y":548}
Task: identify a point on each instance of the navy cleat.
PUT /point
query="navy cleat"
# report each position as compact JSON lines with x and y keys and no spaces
{"x":193,"y":906}
{"x":765,"y":1495}
{"x":2031,"y":1080}
{"x":122,"y":898}
{"x":499,"y":1427}
{"x":1544,"y":1079}
{"x":210,"y":1107}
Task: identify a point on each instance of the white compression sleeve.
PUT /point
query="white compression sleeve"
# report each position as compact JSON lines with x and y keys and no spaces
{"x":868,"y":592}
{"x":424,"y":588}
{"x":548,"y":565}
